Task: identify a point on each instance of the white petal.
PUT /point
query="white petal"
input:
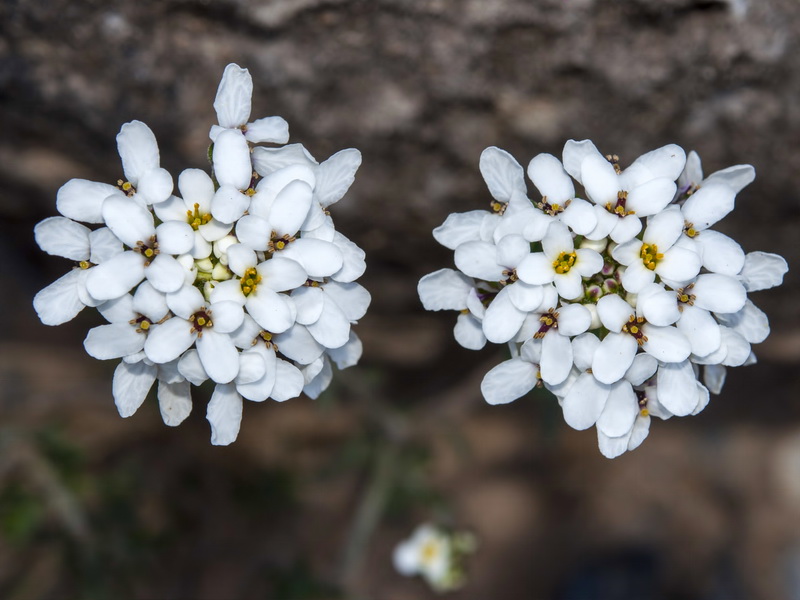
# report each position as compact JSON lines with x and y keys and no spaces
{"x":708,"y":205}
{"x":580,"y":216}
{"x":190,"y":367}
{"x":224,"y":413}
{"x":657,"y":305}
{"x":347,"y":355}
{"x":583,"y":348}
{"x":319,"y":258}
{"x":678,"y":264}
{"x":737,"y":348}
{"x":718,"y":293}
{"x":229,"y":204}
{"x":119,"y":310}
{"x":502,"y":319}
{"x":175,"y":237}
{"x":720,"y":254}
{"x":259,"y":390}
{"x":619,"y":412}
{"x":59,"y":302}
{"x":750,"y":322}
{"x":288,"y":382}
{"x":762,"y":271}
{"x":169,"y":340}
{"x":511,"y":250}
{"x":309,"y":302}
{"x":667,"y":344}
{"x":667,"y":161}
{"x":664,"y":228}
{"x":573,"y":154}
{"x":251,"y":368}
{"x":290,"y":207}
{"x":736,"y":177}
{"x":556,"y":361}
{"x":130,"y":385}
{"x":60,"y":236}
{"x":606,"y":222}
{"x":155,"y":186}
{"x":700,"y":329}
{"x":274,"y":130}
{"x":445,"y":289}
{"x":317,"y":381}
{"x":104,"y":245}
{"x":350,"y":297}
{"x":353,"y":263}
{"x":587,"y":262}
{"x":254,"y":231}
{"x":584,"y":402}
{"x":477,"y":259}
{"x":573,"y":319}
{"x":643,"y":368}
{"x":612,"y":447}
{"x":231,"y":158}
{"x":677,"y":387}
{"x":508,"y":381}
{"x":639,"y":433}
{"x":268,"y":160}
{"x":332,"y":329}
{"x":227,"y":316}
{"x":502,"y":173}
{"x":535,"y":226}
{"x":614,"y":312}
{"x":550,"y":178}
{"x":625,"y":229}
{"x":714,"y":377}
{"x":234,"y":94}
{"x":138,"y":150}
{"x":650,"y":198}
{"x":219,"y":356}
{"x":599,"y":179}
{"x":281,"y":274}
{"x":116,"y":276}
{"x":299,"y":345}
{"x":165,"y":273}
{"x":196,"y":187}
{"x":174,"y":402}
{"x":131,"y":222}
{"x":524,"y":296}
{"x":113,"y":341}
{"x":459,"y":228}
{"x":82,"y":200}
{"x":336,"y":175}
{"x":569,"y":285}
{"x":185,"y":302}
{"x":269,"y":309}
{"x":614,"y":357}
{"x":468,"y":332}
{"x":241,"y":258}
{"x":535,"y":269}
{"x":557,"y":240}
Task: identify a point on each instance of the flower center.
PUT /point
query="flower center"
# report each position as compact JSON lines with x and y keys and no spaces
{"x":266,"y":337}
{"x":279,"y":243}
{"x":564,"y":262}
{"x":510,"y":275}
{"x":196,"y":219}
{"x":641,"y":399}
{"x":548,"y":320}
{"x":685,"y":296}
{"x":498,"y":207}
{"x":619,"y":207}
{"x":149,"y":249}
{"x":429,"y":552}
{"x":249,"y":281}
{"x":142,"y":323}
{"x":551,"y":209}
{"x":650,"y":255}
{"x":201,"y":320}
{"x":614,"y":160}
{"x":634,"y":327}
{"x":688,"y":229}
{"x":127,"y":187}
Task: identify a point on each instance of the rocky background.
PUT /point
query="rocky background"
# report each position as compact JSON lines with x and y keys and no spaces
{"x":311,"y":499}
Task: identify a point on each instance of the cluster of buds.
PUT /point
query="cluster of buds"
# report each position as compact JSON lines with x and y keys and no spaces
{"x":625,"y":304}
{"x":241,"y":278}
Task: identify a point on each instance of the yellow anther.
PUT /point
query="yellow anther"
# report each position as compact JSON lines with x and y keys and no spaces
{"x":634,"y":329}
{"x":280,"y":244}
{"x":644,"y":412}
{"x":126,"y":187}
{"x":691,"y":232}
{"x":84,"y":264}
{"x":201,"y":321}
{"x":250,"y":192}
{"x":564,"y":262}
{"x":145,"y":324}
{"x":684,"y":297}
{"x":650,"y":256}
{"x":246,"y":290}
{"x":555,"y":207}
{"x":498,"y":207}
{"x":149,"y":253}
{"x":266,"y":335}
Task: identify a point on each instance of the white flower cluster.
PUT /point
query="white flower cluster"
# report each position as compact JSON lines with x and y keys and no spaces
{"x":435,"y":554}
{"x":621,"y":303}
{"x":241,"y":278}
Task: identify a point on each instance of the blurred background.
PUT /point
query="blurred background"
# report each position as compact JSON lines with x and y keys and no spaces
{"x":314,"y":495}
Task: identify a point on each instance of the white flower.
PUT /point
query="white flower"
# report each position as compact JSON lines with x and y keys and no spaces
{"x":560,"y":263}
{"x":138,"y":150}
{"x":436,"y":555}
{"x":447,"y":289}
{"x":233,"y":103}
{"x":515,"y":377}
